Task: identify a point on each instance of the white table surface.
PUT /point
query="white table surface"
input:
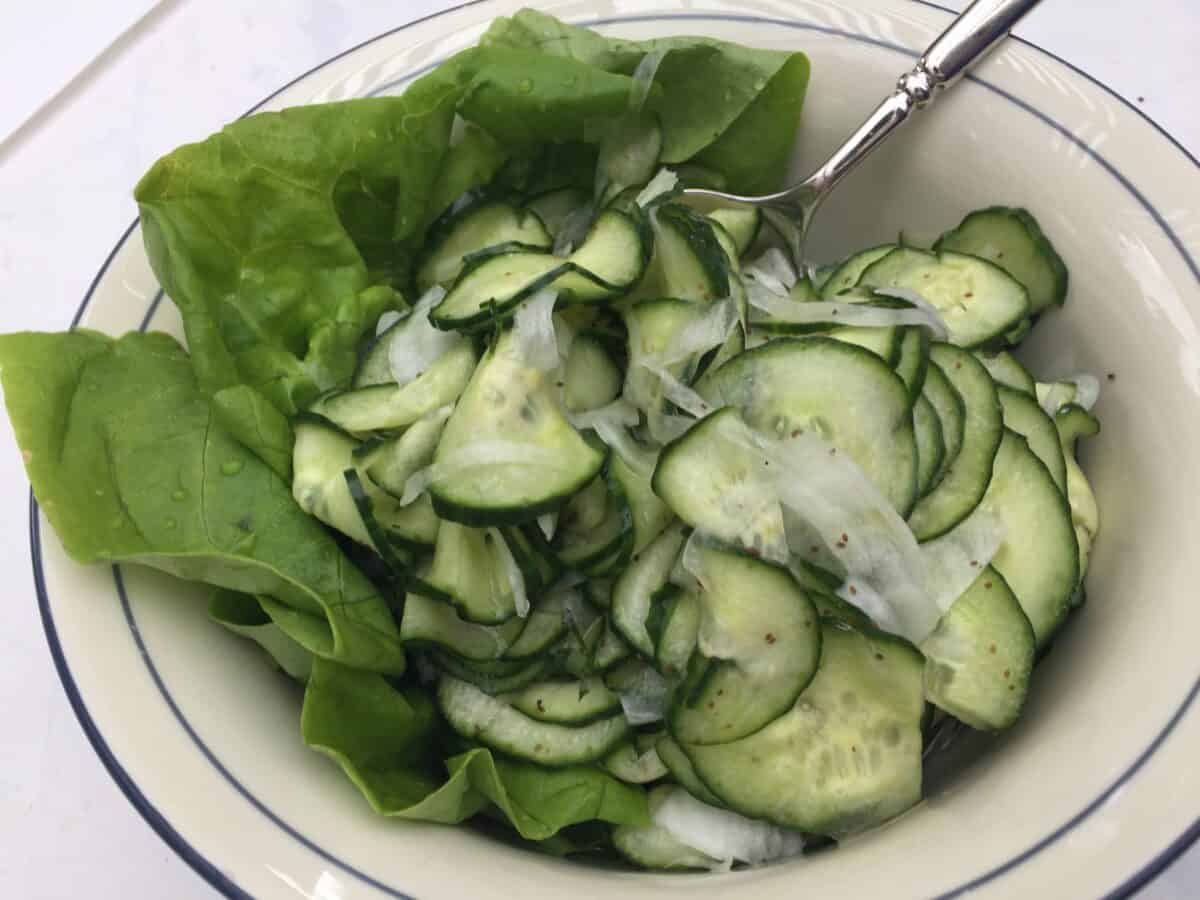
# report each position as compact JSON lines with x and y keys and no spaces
{"x":65,"y":184}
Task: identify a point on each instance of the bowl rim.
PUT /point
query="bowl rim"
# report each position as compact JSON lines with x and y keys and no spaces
{"x":222,"y":883}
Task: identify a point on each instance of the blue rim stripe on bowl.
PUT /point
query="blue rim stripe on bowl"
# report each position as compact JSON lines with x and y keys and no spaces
{"x":220,"y":881}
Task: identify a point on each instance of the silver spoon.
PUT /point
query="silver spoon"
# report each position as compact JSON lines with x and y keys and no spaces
{"x":980,"y":27}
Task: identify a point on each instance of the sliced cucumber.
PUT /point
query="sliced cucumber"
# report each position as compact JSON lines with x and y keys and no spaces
{"x":967,"y":476}
{"x":427,"y":621}
{"x":633,"y":765}
{"x":653,"y":325}
{"x":689,"y":262}
{"x":1039,"y":557}
{"x":375,"y":367}
{"x":595,"y":525}
{"x":978,"y":301}
{"x":847,"y":273}
{"x":479,"y":716}
{"x":566,"y":702}
{"x":544,"y":626}
{"x":1074,"y":422}
{"x":637,"y":585}
{"x":848,"y":395}
{"x":884,"y":342}
{"x":931,"y":446}
{"x":391,"y":461}
{"x":610,"y":649}
{"x":385,"y":407}
{"x":469,"y":570}
{"x":492,"y":676}
{"x":608,"y":263}
{"x":681,"y":770}
{"x":680,"y":630}
{"x":650,"y":514}
{"x":848,"y":754}
{"x":760,"y":636}
{"x":913,"y":360}
{"x":1006,"y":370}
{"x":479,"y":226}
{"x":979,"y":659}
{"x":590,"y":378}
{"x":742,"y":223}
{"x":1012,"y":239}
{"x":1023,"y":415}
{"x":951,"y":413}
{"x":508,"y":408}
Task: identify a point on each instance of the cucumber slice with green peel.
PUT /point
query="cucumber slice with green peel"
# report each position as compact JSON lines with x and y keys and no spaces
{"x":507,"y":454}
{"x":680,"y":630}
{"x":1074,"y":422}
{"x":493,"y":283}
{"x":1012,"y":239}
{"x":977,"y":300}
{"x":714,"y":483}
{"x":431,"y":622}
{"x":478,"y":716}
{"x":846,"y":757}
{"x":884,"y":342}
{"x":688,"y":262}
{"x":1005,"y":369}
{"x":595,"y":525}
{"x":831,"y":606}
{"x":533,"y":555}
{"x":610,"y":649}
{"x":590,"y":378}
{"x":386,"y":407}
{"x":390,"y":462}
{"x":650,"y":514}
{"x":1023,"y":415}
{"x":375,"y":367}
{"x":543,"y":627}
{"x":848,"y":395}
{"x":634,"y":589}
{"x":979,"y":658}
{"x":680,"y":768}
{"x":951,"y":413}
{"x":633,"y":765}
{"x":931,"y":446}
{"x":653,"y":847}
{"x":846,"y":274}
{"x":469,"y":570}
{"x":492,"y":677}
{"x":967,"y":477}
{"x":575,"y":702}
{"x":475,"y":228}
{"x":743,"y":224}
{"x":1039,"y":557}
{"x":553,"y":207}
{"x":653,"y":326}
{"x":913,"y":361}
{"x":760,"y":632}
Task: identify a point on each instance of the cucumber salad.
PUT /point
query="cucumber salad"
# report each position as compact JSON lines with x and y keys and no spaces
{"x":577,"y":511}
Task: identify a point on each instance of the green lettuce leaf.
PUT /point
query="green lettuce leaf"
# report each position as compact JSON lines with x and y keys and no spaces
{"x":130,"y":465}
{"x":245,"y":616}
{"x":708,"y":93}
{"x":385,"y":740}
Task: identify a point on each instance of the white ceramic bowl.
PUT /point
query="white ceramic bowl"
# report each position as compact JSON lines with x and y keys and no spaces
{"x":1095,"y":789}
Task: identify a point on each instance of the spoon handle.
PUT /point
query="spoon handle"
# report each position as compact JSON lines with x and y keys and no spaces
{"x":983,"y":25}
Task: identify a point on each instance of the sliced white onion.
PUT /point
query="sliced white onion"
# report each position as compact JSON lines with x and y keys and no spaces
{"x":418,"y":344}
{"x":1082,"y":389}
{"x":535,"y":339}
{"x":773,"y":270}
{"x":548,"y":524}
{"x":389,"y":318}
{"x":1087,"y":389}
{"x":859,"y":527}
{"x":709,"y":331}
{"x":936,"y":324}
{"x":574,"y":229}
{"x":619,"y":412}
{"x":512,"y":572}
{"x":577,"y":612}
{"x":643,"y":78}
{"x":783,"y":309}
{"x":678,"y":392}
{"x":664,"y":182}
{"x":646,"y":700}
{"x":722,"y":834}
{"x":954,"y":560}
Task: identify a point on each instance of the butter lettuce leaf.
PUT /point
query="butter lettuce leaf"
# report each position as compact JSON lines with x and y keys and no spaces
{"x":385,"y":739}
{"x":130,"y":465}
